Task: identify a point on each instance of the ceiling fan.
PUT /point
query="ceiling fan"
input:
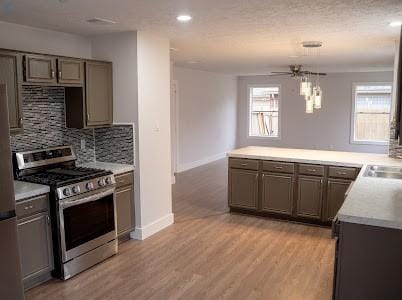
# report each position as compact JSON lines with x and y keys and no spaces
{"x":296,"y":71}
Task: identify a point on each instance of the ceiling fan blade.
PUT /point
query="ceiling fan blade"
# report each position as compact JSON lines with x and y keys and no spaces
{"x":280,"y":74}
{"x":313,"y":73}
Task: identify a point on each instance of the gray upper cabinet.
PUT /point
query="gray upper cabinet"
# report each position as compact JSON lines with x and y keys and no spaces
{"x":40,"y":69}
{"x":70,"y":71}
{"x":277,"y":193}
{"x":243,"y":191}
{"x":336,"y":190}
{"x":99,"y":94}
{"x":10,"y":74}
{"x":309,"y":197}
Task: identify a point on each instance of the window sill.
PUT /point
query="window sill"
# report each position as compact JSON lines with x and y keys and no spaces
{"x":370,"y":143}
{"x":260,"y":137}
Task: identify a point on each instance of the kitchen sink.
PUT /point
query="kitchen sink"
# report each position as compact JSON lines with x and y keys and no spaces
{"x":383,"y":172}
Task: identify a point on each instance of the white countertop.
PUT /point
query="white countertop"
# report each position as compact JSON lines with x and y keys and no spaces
{"x":115,"y":168}
{"x":371,"y":201}
{"x":24,"y":190}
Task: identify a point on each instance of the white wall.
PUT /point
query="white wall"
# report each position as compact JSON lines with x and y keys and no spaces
{"x":153,"y":61}
{"x":24,"y":38}
{"x":328,"y":128}
{"x":206,"y":112}
{"x":121,"y":50}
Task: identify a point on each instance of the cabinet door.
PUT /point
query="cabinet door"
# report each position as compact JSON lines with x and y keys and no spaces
{"x":277,"y":193}
{"x":243,"y":188}
{"x":336,"y":190}
{"x":40,"y":69}
{"x":10,"y":74}
{"x":70,"y":71}
{"x":309,"y":197}
{"x":124,"y":209}
{"x":35,"y":246}
{"x":99,"y":94}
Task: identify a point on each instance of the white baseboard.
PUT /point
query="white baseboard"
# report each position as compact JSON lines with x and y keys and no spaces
{"x":204,"y":161}
{"x":141,"y":233}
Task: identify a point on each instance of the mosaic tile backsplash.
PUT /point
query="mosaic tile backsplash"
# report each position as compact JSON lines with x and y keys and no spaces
{"x":44,"y":126}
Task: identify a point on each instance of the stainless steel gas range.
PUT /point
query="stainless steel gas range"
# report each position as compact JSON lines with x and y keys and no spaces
{"x":82,"y":202}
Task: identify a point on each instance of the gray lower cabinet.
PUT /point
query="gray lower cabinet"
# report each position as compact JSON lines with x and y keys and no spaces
{"x":336,"y":189}
{"x":35,"y":240}
{"x":243,"y":188}
{"x":125,"y":211}
{"x":10,"y":75}
{"x":309,"y":197}
{"x":277,"y":193}
{"x":99,"y":94}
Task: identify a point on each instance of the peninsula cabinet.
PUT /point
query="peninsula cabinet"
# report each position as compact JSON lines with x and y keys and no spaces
{"x":294,"y":191}
{"x":243,"y":188}
{"x":310,"y":197}
{"x":10,"y":75}
{"x":277,"y":193}
{"x":336,"y":189}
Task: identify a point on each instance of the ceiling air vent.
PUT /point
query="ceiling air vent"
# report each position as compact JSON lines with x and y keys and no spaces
{"x":100,"y":21}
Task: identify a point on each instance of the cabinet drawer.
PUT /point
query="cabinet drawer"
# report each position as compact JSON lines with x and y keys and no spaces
{"x":311,"y":170}
{"x":239,"y":163}
{"x":281,"y":167}
{"x":31,"y":206}
{"x":124,"y":179}
{"x":342,"y":172}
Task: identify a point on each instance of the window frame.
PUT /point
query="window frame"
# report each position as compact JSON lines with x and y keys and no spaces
{"x":353,"y":114}
{"x":264,"y":85}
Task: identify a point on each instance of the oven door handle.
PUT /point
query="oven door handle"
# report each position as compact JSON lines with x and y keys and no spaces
{"x":68,"y":203}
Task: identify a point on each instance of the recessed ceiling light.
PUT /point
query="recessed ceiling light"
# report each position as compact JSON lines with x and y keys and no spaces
{"x":184,"y":18}
{"x":101,"y":21}
{"x":395,"y":24}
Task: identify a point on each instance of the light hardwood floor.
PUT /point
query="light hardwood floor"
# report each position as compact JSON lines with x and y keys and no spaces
{"x":210,"y":254}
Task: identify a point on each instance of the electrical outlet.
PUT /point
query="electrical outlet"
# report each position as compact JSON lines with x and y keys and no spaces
{"x":83,"y":144}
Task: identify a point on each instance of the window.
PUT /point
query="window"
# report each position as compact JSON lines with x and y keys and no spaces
{"x":371,"y":113}
{"x":264,"y":111}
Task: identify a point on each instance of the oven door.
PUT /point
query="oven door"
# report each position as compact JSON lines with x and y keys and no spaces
{"x":87,"y":222}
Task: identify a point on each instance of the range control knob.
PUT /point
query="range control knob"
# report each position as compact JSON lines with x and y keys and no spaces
{"x":90,"y":186}
{"x":66,"y":192}
{"x":101,"y":182}
{"x":108,"y":180}
{"x":76,"y":189}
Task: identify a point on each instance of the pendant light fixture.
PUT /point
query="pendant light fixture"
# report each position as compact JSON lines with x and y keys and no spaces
{"x":312,"y":95}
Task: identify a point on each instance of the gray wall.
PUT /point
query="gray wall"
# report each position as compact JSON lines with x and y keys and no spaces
{"x":328,"y":128}
{"x":206,"y":112}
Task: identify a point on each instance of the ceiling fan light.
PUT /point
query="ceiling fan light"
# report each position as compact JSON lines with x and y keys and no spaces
{"x":317,"y":97}
{"x":305,"y":87}
{"x":309,"y":105}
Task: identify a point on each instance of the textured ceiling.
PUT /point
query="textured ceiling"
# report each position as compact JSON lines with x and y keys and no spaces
{"x":235,"y":36}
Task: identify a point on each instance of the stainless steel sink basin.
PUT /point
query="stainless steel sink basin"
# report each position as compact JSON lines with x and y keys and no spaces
{"x":383,"y":172}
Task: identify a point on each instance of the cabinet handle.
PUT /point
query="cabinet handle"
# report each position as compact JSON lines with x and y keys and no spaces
{"x":28,"y":207}
{"x":48,"y":220}
{"x":87,"y":116}
{"x":278,"y":168}
{"x":342,"y":173}
{"x":53,"y":73}
{"x":21,"y":120}
{"x":311,"y":170}
{"x":59,"y":75}
{"x":244,"y":165}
